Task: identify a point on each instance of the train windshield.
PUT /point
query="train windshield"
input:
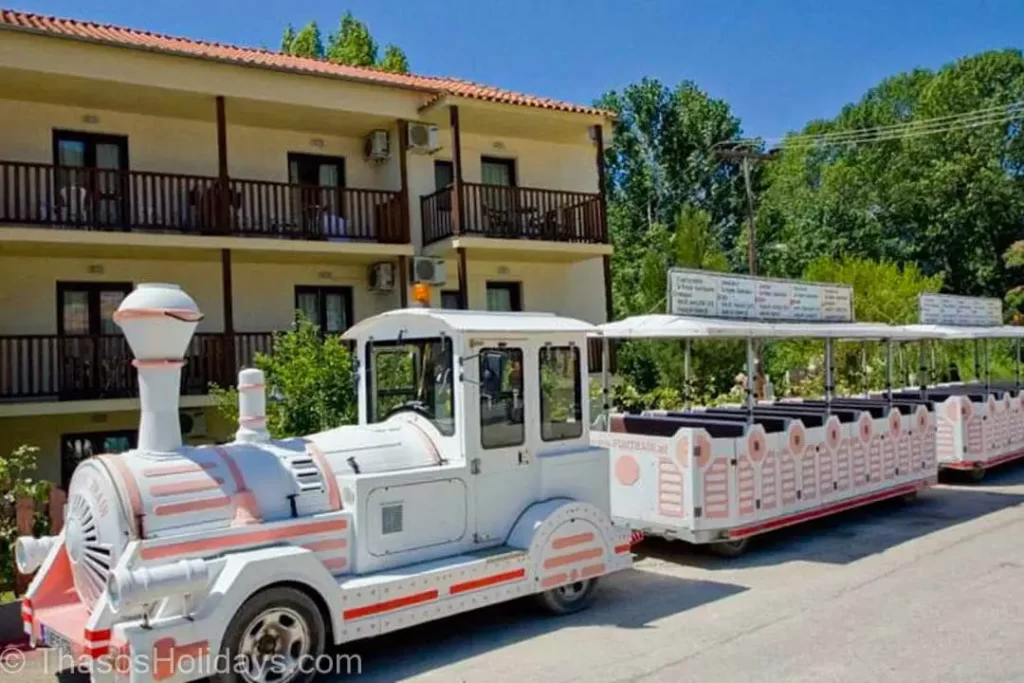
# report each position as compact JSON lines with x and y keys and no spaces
{"x":412,"y":375}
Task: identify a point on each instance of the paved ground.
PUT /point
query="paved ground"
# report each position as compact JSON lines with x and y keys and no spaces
{"x":927,"y":591}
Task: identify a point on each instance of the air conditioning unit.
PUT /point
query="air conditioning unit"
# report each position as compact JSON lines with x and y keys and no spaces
{"x":423,"y":138}
{"x":427,"y":270}
{"x":193,"y":423}
{"x":382,"y":277}
{"x":378,"y":146}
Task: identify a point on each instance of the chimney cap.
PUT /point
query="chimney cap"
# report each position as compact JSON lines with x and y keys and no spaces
{"x":151,"y":318}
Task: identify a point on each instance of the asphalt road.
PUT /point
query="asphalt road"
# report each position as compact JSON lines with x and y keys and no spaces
{"x":927,"y":591}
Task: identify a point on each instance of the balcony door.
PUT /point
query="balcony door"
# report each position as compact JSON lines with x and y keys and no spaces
{"x":318,"y":204}
{"x":95,"y":361}
{"x":77,"y":447}
{"x":91,"y":186}
{"x":498,"y":200}
{"x":504,"y":296}
{"x":329,"y":308}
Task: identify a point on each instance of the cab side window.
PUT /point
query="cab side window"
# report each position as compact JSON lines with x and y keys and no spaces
{"x":501,"y":398}
{"x":561,"y":393}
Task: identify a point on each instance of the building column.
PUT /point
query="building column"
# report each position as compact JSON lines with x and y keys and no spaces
{"x":403,"y":173}
{"x":229,"y":317}
{"x":453,"y":115}
{"x":463,"y":279}
{"x":223,"y":194}
{"x":602,"y":189}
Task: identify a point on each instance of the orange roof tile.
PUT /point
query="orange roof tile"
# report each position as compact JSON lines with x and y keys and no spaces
{"x":120,"y":36}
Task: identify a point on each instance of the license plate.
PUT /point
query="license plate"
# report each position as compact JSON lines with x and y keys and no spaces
{"x":58,"y":642}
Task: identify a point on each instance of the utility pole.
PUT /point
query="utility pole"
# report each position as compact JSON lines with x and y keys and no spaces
{"x":738,"y":151}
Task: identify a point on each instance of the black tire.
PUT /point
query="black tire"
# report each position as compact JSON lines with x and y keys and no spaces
{"x":909,"y":497}
{"x":977,"y":473}
{"x":731,"y":548}
{"x":568,"y":599}
{"x":272,"y":600}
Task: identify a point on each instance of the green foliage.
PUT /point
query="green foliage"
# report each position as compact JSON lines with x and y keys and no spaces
{"x":306,"y":43}
{"x":951,"y":203}
{"x":352,"y":44}
{"x":17,"y":481}
{"x":394,"y":60}
{"x":310,"y":383}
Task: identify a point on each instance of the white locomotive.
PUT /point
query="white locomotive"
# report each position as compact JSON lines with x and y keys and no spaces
{"x":469,"y":480}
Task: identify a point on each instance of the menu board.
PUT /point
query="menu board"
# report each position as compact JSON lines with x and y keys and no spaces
{"x":739,"y":297}
{"x":959,"y":311}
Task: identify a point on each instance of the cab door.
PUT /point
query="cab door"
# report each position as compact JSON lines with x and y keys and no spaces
{"x":501,"y":460}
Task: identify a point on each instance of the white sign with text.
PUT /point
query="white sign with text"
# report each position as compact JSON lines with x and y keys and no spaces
{"x":705,"y":294}
{"x":959,"y":311}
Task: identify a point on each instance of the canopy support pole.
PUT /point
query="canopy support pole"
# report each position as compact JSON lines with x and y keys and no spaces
{"x":865,"y":369}
{"x":750,"y":381}
{"x":606,"y":407}
{"x":828,"y":376}
{"x":686,"y":371}
{"x":1016,"y":365}
{"x":923,"y":368}
{"x":977,"y":363}
{"x":988,"y":367}
{"x":888,"y":371}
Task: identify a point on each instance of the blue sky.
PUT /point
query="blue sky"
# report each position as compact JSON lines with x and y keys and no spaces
{"x":779,"y":63}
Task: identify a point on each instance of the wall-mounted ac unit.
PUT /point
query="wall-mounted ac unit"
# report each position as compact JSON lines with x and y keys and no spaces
{"x":423,"y":138}
{"x":382,"y":277}
{"x":427,"y":270}
{"x":193,"y":423}
{"x":378,"y":146}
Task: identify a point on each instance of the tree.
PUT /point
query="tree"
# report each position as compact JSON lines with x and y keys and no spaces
{"x":306,"y":43}
{"x":352,"y":44}
{"x":17,"y":481}
{"x":394,"y":60}
{"x":951,"y":202}
{"x":310,"y":383}
{"x":288,"y":40}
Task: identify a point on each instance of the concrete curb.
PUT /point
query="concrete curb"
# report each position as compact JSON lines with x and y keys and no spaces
{"x":11,"y":630}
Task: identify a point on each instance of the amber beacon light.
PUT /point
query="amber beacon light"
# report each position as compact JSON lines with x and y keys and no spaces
{"x":421,"y":294}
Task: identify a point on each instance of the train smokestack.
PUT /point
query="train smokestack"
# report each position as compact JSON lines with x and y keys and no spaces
{"x":158,"y":320}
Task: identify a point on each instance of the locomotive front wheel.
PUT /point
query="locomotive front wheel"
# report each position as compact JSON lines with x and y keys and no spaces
{"x":730,"y":548}
{"x":569,"y":598}
{"x":275,"y":637}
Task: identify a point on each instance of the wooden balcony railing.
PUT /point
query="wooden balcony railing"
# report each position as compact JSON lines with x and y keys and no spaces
{"x":52,"y":367}
{"x":99,"y":199}
{"x":515,"y":213}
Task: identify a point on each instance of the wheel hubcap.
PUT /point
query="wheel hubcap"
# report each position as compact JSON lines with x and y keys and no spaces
{"x":274,"y":645}
{"x":572,"y":591}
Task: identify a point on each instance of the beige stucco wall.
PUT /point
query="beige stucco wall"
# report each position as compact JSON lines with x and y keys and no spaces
{"x":28,"y":288}
{"x":571,"y":289}
{"x":45,"y":432}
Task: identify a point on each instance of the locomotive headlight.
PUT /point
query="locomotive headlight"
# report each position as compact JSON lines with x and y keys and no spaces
{"x":29,"y":552}
{"x":131,"y":588}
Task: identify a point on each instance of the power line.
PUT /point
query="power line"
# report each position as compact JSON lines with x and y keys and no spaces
{"x":937,"y":125}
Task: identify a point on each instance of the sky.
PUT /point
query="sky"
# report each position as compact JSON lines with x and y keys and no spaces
{"x":778,"y":63}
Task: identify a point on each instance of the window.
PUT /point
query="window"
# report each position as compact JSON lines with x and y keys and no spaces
{"x":329,"y":308}
{"x":561,"y":400}
{"x":317,"y":204}
{"x":78,"y":447}
{"x":501,"y":398}
{"x":99,"y":195}
{"x":413,"y":375}
{"x":451,"y":299}
{"x":504,"y":296}
{"x":87,"y":308}
{"x":444,"y":174}
{"x":501,"y":172}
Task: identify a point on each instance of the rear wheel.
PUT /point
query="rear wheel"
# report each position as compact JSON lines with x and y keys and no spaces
{"x":569,"y":598}
{"x":275,"y":637}
{"x":909,"y":497}
{"x":730,"y":548}
{"x":977,"y":473}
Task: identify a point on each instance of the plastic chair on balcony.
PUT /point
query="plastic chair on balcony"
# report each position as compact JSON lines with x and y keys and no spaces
{"x":73,"y":205}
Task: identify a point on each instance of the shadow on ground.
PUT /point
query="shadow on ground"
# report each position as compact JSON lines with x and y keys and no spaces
{"x":629,"y":600}
{"x":852,"y":535}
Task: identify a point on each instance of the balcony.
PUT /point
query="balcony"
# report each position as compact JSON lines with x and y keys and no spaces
{"x":78,"y":368}
{"x":515,"y":213}
{"x":67,"y":198}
